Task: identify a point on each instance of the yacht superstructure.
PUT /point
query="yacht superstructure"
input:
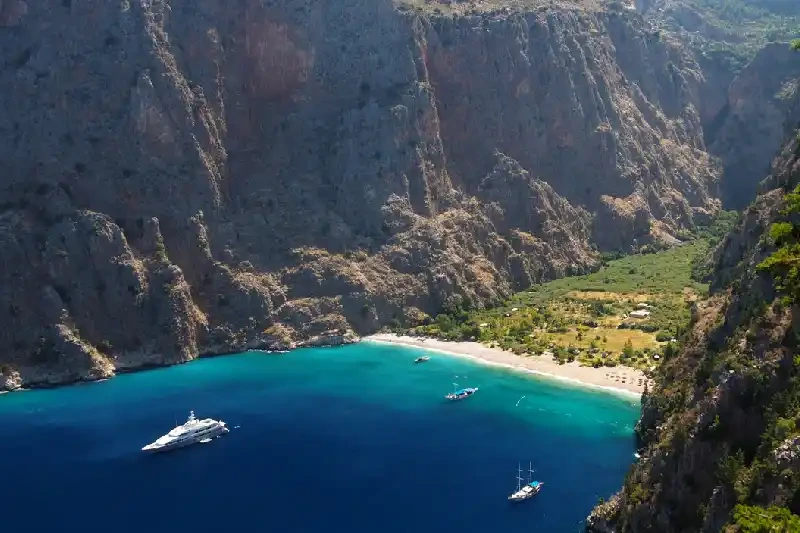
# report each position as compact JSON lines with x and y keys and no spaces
{"x":192,"y":431}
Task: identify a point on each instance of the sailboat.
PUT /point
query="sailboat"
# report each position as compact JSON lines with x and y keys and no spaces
{"x":460,"y":394}
{"x":530,"y":489}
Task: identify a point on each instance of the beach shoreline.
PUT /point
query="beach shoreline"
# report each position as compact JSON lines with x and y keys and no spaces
{"x":624,"y":381}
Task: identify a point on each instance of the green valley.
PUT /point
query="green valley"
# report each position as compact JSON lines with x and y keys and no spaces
{"x":630,"y":312}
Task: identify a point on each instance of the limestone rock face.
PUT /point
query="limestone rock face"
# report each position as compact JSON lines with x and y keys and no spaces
{"x":751,"y":126}
{"x":593,"y":103}
{"x":197,"y":177}
{"x":747,"y":81}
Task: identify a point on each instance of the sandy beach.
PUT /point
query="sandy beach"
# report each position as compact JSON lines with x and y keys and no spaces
{"x":619,"y":379}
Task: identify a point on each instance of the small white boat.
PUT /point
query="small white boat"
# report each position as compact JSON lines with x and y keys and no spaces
{"x":422,"y":359}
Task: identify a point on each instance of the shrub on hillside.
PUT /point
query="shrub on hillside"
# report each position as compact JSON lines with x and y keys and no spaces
{"x":754,"y":519}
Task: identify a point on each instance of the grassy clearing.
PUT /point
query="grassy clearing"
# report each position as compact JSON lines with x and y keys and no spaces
{"x":615,"y":339}
{"x":605,"y":295}
{"x":635,"y":276}
{"x":588,"y":318}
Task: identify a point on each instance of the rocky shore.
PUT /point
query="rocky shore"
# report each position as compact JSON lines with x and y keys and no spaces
{"x":34,"y":378}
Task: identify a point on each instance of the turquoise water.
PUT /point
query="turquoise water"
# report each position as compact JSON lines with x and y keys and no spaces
{"x":352,"y":439}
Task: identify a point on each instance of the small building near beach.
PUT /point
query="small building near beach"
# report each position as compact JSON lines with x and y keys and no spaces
{"x":639,"y":313}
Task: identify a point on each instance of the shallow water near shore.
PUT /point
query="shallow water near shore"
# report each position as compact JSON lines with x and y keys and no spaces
{"x":351,"y":439}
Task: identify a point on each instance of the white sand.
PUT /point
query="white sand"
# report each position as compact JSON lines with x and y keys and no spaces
{"x":621,"y":380}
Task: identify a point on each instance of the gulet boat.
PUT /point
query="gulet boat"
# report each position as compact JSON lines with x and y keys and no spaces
{"x":529,"y":490}
{"x":460,"y":394}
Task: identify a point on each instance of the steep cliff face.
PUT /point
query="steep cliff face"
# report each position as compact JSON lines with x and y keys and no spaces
{"x":593,"y":103}
{"x":750,"y":127}
{"x":720,"y":428}
{"x":186,"y":178}
{"x":748,"y":78}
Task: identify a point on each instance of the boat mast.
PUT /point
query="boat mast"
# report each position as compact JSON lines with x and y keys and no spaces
{"x":530,"y":472}
{"x":519,"y":477}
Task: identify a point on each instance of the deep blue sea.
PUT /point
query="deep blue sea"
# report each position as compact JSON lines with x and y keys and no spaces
{"x":356,"y":439}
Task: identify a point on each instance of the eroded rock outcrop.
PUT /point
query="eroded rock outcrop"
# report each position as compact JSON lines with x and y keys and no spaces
{"x":185,"y":178}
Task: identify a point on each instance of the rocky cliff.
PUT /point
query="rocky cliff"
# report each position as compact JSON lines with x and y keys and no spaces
{"x":750,"y":126}
{"x":719,"y":434}
{"x":749,"y":79}
{"x":186,"y":178}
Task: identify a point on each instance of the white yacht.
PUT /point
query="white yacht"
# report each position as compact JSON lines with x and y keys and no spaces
{"x":192,"y":431}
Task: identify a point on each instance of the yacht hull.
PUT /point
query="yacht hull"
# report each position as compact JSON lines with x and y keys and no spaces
{"x":522,"y":495}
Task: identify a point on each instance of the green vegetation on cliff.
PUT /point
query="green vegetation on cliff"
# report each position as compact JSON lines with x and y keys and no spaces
{"x":734,"y":29}
{"x":750,"y":519}
{"x":784,"y":263}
